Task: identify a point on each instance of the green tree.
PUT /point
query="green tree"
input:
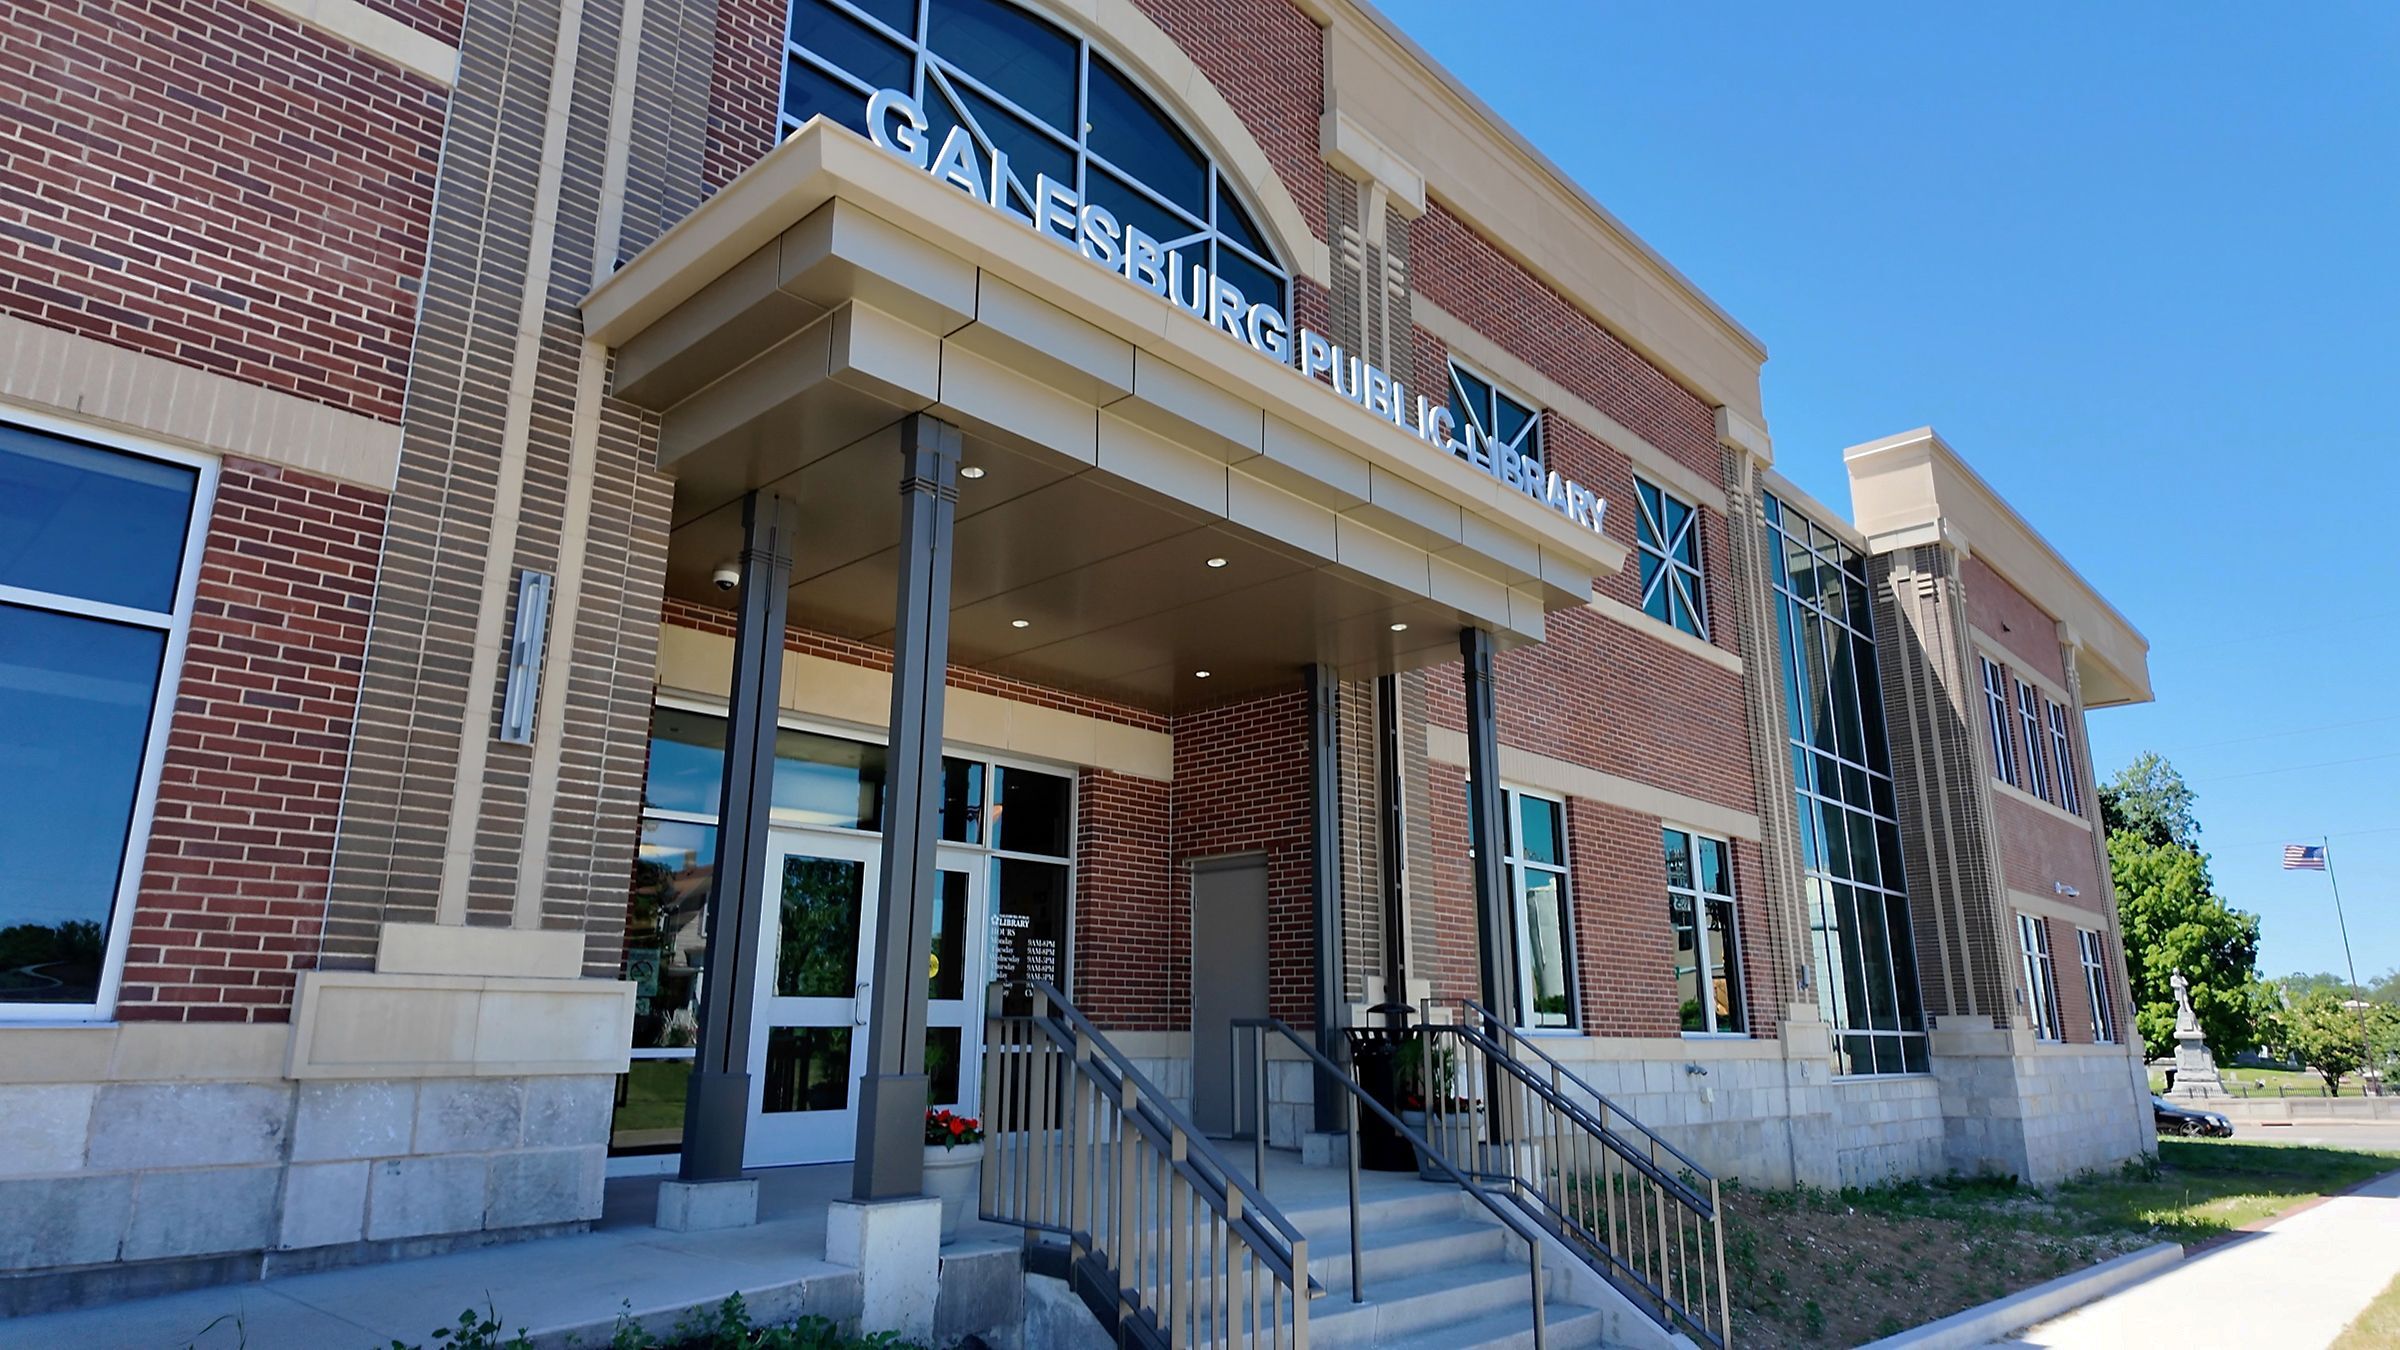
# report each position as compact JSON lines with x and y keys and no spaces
{"x":2174,"y":920}
{"x":2328,"y":1035}
{"x":2148,"y":798}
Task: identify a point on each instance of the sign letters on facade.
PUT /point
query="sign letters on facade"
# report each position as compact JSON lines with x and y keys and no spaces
{"x":897,"y":123}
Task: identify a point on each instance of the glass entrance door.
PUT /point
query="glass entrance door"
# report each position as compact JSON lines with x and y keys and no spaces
{"x":808,"y":1042}
{"x":809,"y":1035}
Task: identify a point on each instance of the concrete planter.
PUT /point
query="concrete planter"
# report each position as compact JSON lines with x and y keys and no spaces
{"x":952,"y":1174}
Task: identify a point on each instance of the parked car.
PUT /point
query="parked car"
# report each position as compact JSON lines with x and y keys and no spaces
{"x":2173,"y":1119}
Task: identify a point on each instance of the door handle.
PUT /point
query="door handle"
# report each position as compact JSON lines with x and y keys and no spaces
{"x":858,"y":1003}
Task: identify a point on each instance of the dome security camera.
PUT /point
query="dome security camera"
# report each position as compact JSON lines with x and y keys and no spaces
{"x":727,"y":576}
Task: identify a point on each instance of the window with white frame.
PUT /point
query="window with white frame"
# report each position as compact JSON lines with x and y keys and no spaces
{"x":1506,"y":421}
{"x":1668,"y":534}
{"x":2029,"y":712}
{"x":2041,"y":977}
{"x":2094,"y":949}
{"x":1996,"y":716}
{"x":2062,"y":760}
{"x":1537,"y":877}
{"x":99,"y":547}
{"x":1708,"y":959}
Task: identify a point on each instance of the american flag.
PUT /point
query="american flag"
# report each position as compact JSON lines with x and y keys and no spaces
{"x":2303,"y":857}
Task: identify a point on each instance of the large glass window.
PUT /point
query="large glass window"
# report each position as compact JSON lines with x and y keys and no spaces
{"x":2041,"y":978}
{"x":2093,"y":947}
{"x":2029,"y":712}
{"x":1995,"y":719}
{"x":2062,"y":760}
{"x":1862,"y":950}
{"x":1537,"y":877}
{"x":1021,"y":820}
{"x":96,"y":562}
{"x":1673,"y":590}
{"x":1042,"y":96}
{"x":1708,"y":963}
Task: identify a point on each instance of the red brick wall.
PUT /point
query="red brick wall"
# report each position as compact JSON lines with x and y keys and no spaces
{"x":745,"y":103}
{"x":1241,"y":786}
{"x":2016,"y":623}
{"x":1268,"y":60}
{"x":1471,"y":278}
{"x":233,"y":889}
{"x":440,"y":18}
{"x":2038,"y":850}
{"x":211,"y":182}
{"x":1133,"y":954}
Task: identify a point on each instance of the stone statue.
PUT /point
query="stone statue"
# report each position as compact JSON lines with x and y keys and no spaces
{"x":2195,"y":1066}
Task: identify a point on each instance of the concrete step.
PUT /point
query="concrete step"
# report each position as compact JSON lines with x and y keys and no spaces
{"x":1401,"y":1250}
{"x":1567,"y":1324}
{"x":1426,"y":1302}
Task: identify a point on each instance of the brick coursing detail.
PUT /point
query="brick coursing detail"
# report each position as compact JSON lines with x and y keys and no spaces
{"x":1470,"y":277}
{"x":212,"y":182}
{"x":1241,"y":786}
{"x":233,"y":888}
{"x":1133,"y":931}
{"x":435,"y":18}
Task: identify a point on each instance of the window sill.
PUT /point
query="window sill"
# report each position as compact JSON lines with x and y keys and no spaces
{"x":1617,"y":611}
{"x":1716,"y":1035}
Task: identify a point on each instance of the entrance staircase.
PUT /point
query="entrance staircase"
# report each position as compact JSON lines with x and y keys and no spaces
{"x":1558,"y":1221}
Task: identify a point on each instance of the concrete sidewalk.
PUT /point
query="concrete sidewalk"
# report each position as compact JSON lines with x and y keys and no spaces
{"x":2295,"y":1283}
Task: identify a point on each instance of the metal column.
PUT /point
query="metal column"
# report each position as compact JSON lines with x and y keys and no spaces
{"x":1392,"y":822}
{"x":890,"y":1162}
{"x":1325,"y":883}
{"x":716,"y":1106}
{"x":1495,"y":934}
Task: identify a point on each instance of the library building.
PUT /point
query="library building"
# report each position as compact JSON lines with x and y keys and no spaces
{"x":608,"y":607}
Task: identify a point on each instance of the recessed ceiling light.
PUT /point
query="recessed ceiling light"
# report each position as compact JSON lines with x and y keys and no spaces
{"x":1199,"y":674}
{"x":1399,"y":628}
{"x":970,"y":471}
{"x":1216,"y":562}
{"x":1020,"y":623}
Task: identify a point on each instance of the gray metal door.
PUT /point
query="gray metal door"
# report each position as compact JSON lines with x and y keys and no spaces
{"x":1229,"y":977}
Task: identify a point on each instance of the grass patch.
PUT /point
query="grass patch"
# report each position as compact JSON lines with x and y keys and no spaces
{"x":1823,"y":1268}
{"x":2377,"y":1328}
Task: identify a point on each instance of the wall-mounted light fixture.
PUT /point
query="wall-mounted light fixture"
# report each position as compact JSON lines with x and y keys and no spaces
{"x":525,"y":657}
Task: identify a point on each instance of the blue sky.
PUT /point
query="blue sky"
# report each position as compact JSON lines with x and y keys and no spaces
{"x":2136,"y":262}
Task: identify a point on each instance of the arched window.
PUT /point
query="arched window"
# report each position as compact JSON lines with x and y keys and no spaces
{"x":1039,"y":93}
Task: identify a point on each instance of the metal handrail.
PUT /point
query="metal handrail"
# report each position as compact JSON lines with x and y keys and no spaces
{"x":1159,"y":1228}
{"x":1638,"y":1224}
{"x":1519,"y":1039}
{"x":1353,"y":1095}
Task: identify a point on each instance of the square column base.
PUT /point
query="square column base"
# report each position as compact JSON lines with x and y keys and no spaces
{"x":896,"y":1247}
{"x":1319,"y":1148}
{"x":702,"y":1206}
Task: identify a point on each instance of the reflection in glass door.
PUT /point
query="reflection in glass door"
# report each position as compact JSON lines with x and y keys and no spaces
{"x":954,"y":986}
{"x":808,"y":1035}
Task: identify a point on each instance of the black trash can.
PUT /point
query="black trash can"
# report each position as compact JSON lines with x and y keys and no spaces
{"x":1374,"y":1061}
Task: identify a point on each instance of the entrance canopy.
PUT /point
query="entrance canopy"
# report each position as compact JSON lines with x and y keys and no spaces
{"x":1154,"y":498}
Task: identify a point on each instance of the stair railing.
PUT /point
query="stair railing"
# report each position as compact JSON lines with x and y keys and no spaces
{"x":1639,"y":1211}
{"x":1166,"y":1242}
{"x":1354,"y":1097}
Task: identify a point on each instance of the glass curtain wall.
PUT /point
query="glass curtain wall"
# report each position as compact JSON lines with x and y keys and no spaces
{"x":1863,"y":949}
{"x":1021,"y":820}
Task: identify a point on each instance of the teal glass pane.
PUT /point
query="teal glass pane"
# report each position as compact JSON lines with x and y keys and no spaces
{"x":1542,"y":901}
{"x":1031,"y":63}
{"x":1724,"y":968}
{"x":1131,"y":133}
{"x":1678,"y":847}
{"x":1540,"y":831}
{"x":847,"y":45}
{"x":809,"y":91}
{"x":808,"y":1069}
{"x":81,"y":521}
{"x":816,"y":932}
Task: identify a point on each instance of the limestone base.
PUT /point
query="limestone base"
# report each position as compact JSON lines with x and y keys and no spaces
{"x":704,"y":1206}
{"x":896,"y":1247}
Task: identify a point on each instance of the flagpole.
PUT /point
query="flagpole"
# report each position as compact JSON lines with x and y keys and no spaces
{"x":2366,"y":1050}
